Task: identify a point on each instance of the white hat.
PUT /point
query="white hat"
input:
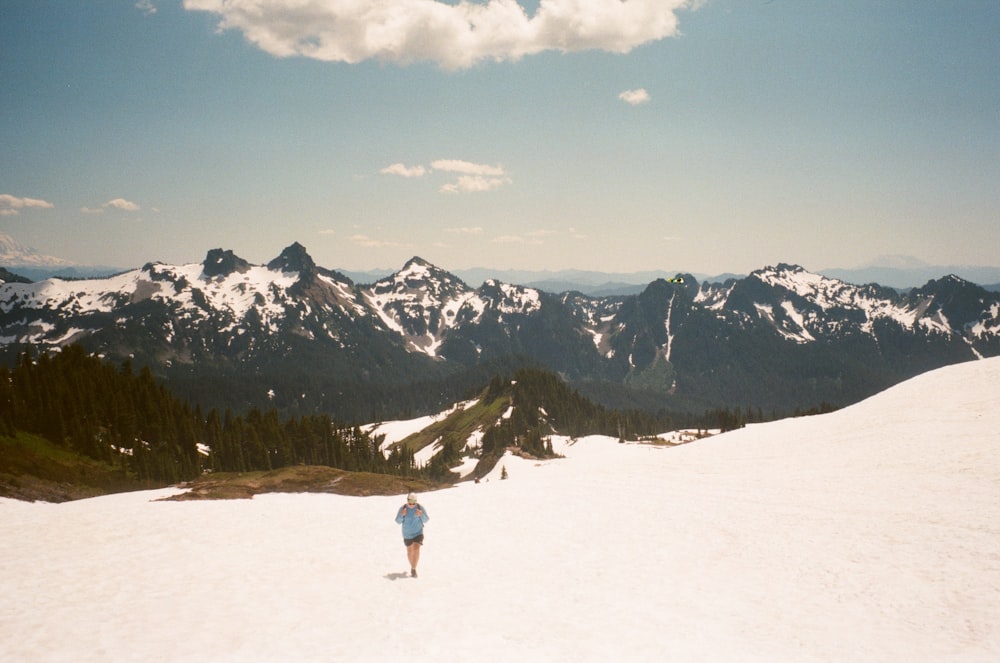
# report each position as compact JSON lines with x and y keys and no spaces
{"x":412,"y":497}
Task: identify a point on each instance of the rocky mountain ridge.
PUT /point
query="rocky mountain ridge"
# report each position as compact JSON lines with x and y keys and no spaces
{"x":781,"y":337}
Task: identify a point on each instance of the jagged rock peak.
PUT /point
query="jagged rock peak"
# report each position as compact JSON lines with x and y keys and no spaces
{"x":417,"y":260}
{"x":793,"y":277}
{"x":294,"y":259}
{"x":417,"y":265}
{"x":781,"y":268}
{"x":680,"y":280}
{"x":950,"y":285}
{"x":416,"y":268}
{"x":221,"y":263}
{"x":418,"y":274}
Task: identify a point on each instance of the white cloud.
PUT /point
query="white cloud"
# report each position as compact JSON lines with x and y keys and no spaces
{"x":467,"y":167}
{"x":146,"y":7}
{"x":530,"y":238}
{"x":455,"y":36}
{"x":404,"y":171}
{"x":635,"y":97}
{"x":473,"y":184}
{"x":115,"y":203}
{"x":473,"y":177}
{"x":12,"y":205}
{"x":372,"y":242}
{"x":465,"y":230}
{"x":121,"y":204}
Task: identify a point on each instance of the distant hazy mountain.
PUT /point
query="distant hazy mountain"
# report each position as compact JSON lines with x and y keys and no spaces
{"x":35,"y":266}
{"x":906,"y":272}
{"x":587,"y":282}
{"x":15,"y":254}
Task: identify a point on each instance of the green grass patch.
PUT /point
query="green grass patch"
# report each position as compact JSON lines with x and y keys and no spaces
{"x":32,"y":468}
{"x":299,"y":479}
{"x":458,"y":426}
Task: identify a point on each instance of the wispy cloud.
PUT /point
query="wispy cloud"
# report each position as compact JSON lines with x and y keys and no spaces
{"x":472,"y":177}
{"x":372,"y":242}
{"x":474,"y":183}
{"x":404,"y":171}
{"x":12,"y":205}
{"x":115,"y":203}
{"x":535,"y":237}
{"x":635,"y":97}
{"x":454,"y":35}
{"x":122,"y":204}
{"x":527,"y":238}
{"x":508,"y":239}
{"x":465,"y":230}
{"x":467,"y":167}
{"x":146,"y":7}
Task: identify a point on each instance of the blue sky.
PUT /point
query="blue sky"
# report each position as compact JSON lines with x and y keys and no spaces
{"x":713,"y":136}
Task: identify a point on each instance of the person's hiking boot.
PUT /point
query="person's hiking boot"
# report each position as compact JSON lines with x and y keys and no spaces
{"x":413,"y":573}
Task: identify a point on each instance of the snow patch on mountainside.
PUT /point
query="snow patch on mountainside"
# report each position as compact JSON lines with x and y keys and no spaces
{"x":987,"y":327}
{"x":798,"y":319}
{"x":398,"y":430}
{"x":517,"y":299}
{"x":830,"y":294}
{"x":259,"y":288}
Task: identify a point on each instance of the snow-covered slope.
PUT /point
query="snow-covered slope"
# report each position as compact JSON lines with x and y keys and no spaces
{"x":869,"y":534}
{"x":804,"y":307}
{"x":424,"y":304}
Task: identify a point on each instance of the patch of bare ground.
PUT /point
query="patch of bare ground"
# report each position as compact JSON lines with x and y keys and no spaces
{"x":299,"y":479}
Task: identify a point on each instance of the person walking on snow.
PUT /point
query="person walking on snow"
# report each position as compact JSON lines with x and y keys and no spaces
{"x":412,"y":517}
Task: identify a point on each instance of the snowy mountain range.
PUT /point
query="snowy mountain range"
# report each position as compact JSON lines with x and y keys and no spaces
{"x":780,"y":338}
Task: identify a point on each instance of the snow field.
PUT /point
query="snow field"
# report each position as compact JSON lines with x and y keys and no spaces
{"x":872,"y":534}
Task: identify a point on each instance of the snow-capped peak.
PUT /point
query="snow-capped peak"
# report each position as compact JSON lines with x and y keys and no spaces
{"x":15,"y":254}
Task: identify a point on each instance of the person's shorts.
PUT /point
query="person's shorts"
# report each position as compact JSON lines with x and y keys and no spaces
{"x":419,"y":538}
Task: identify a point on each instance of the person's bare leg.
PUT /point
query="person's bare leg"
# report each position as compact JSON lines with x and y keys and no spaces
{"x":413,"y":555}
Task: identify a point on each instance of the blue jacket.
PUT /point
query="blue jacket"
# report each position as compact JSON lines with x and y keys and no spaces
{"x":413,"y":525}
